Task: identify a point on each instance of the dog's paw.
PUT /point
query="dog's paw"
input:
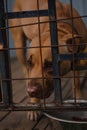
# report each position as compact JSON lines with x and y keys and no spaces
{"x":33,"y":115}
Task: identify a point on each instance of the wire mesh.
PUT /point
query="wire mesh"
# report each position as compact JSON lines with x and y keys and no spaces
{"x":52,"y":21}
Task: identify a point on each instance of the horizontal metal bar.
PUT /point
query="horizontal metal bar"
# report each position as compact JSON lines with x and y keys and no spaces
{"x":54,"y":77}
{"x":47,"y":107}
{"x":78,"y":56}
{"x":26,"y":14}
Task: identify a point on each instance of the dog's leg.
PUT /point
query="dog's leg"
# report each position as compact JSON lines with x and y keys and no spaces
{"x":76,"y":86}
{"x":34,"y":115}
{"x":20,"y":42}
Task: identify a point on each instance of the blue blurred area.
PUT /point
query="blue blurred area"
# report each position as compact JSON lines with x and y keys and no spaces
{"x":10,"y":5}
{"x":80,"y":5}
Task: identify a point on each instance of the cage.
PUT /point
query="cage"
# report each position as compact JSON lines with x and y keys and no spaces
{"x":63,"y":105}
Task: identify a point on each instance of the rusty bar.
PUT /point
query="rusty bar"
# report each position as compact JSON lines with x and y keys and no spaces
{"x":56,"y":77}
{"x":57,"y":20}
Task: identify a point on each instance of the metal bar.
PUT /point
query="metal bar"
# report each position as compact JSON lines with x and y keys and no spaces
{"x":73,"y":61}
{"x":39,"y":34}
{"x":55,"y":51}
{"x":56,"y":77}
{"x":26,"y":14}
{"x":77,"y":56}
{"x":4,"y":60}
{"x":0,"y":86}
{"x":4,"y":89}
{"x":48,"y":107}
{"x":1,"y":47}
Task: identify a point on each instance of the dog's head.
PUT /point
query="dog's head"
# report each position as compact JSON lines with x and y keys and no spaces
{"x":39,"y":61}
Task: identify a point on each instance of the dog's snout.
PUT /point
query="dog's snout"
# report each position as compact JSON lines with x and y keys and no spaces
{"x":31,"y":90}
{"x":34,"y":90}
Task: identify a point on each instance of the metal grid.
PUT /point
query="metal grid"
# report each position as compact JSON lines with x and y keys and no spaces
{"x":5,"y":64}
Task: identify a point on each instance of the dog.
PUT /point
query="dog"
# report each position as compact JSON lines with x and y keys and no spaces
{"x":37,"y":62}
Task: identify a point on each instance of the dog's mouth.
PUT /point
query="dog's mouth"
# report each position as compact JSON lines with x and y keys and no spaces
{"x":39,"y":92}
{"x":31,"y":89}
{"x":35,"y":91}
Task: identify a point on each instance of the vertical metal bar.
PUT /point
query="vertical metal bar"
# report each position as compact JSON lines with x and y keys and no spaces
{"x":0,"y":88}
{"x":0,"y":67}
{"x":73,"y":65}
{"x":39,"y":34}
{"x":4,"y":60}
{"x":55,"y":50}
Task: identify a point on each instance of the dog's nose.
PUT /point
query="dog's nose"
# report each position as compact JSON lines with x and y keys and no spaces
{"x":32,"y":91}
{"x":36,"y":90}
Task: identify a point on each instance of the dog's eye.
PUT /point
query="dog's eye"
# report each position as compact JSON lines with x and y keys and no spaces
{"x":29,"y":61}
{"x":47,"y":64}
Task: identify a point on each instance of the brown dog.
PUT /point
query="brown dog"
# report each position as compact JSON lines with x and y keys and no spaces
{"x":40,"y":59}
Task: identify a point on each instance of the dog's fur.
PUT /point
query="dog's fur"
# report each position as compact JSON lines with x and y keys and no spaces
{"x":32,"y":63}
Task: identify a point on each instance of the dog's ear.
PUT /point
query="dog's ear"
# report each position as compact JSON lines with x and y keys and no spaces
{"x":73,"y":42}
